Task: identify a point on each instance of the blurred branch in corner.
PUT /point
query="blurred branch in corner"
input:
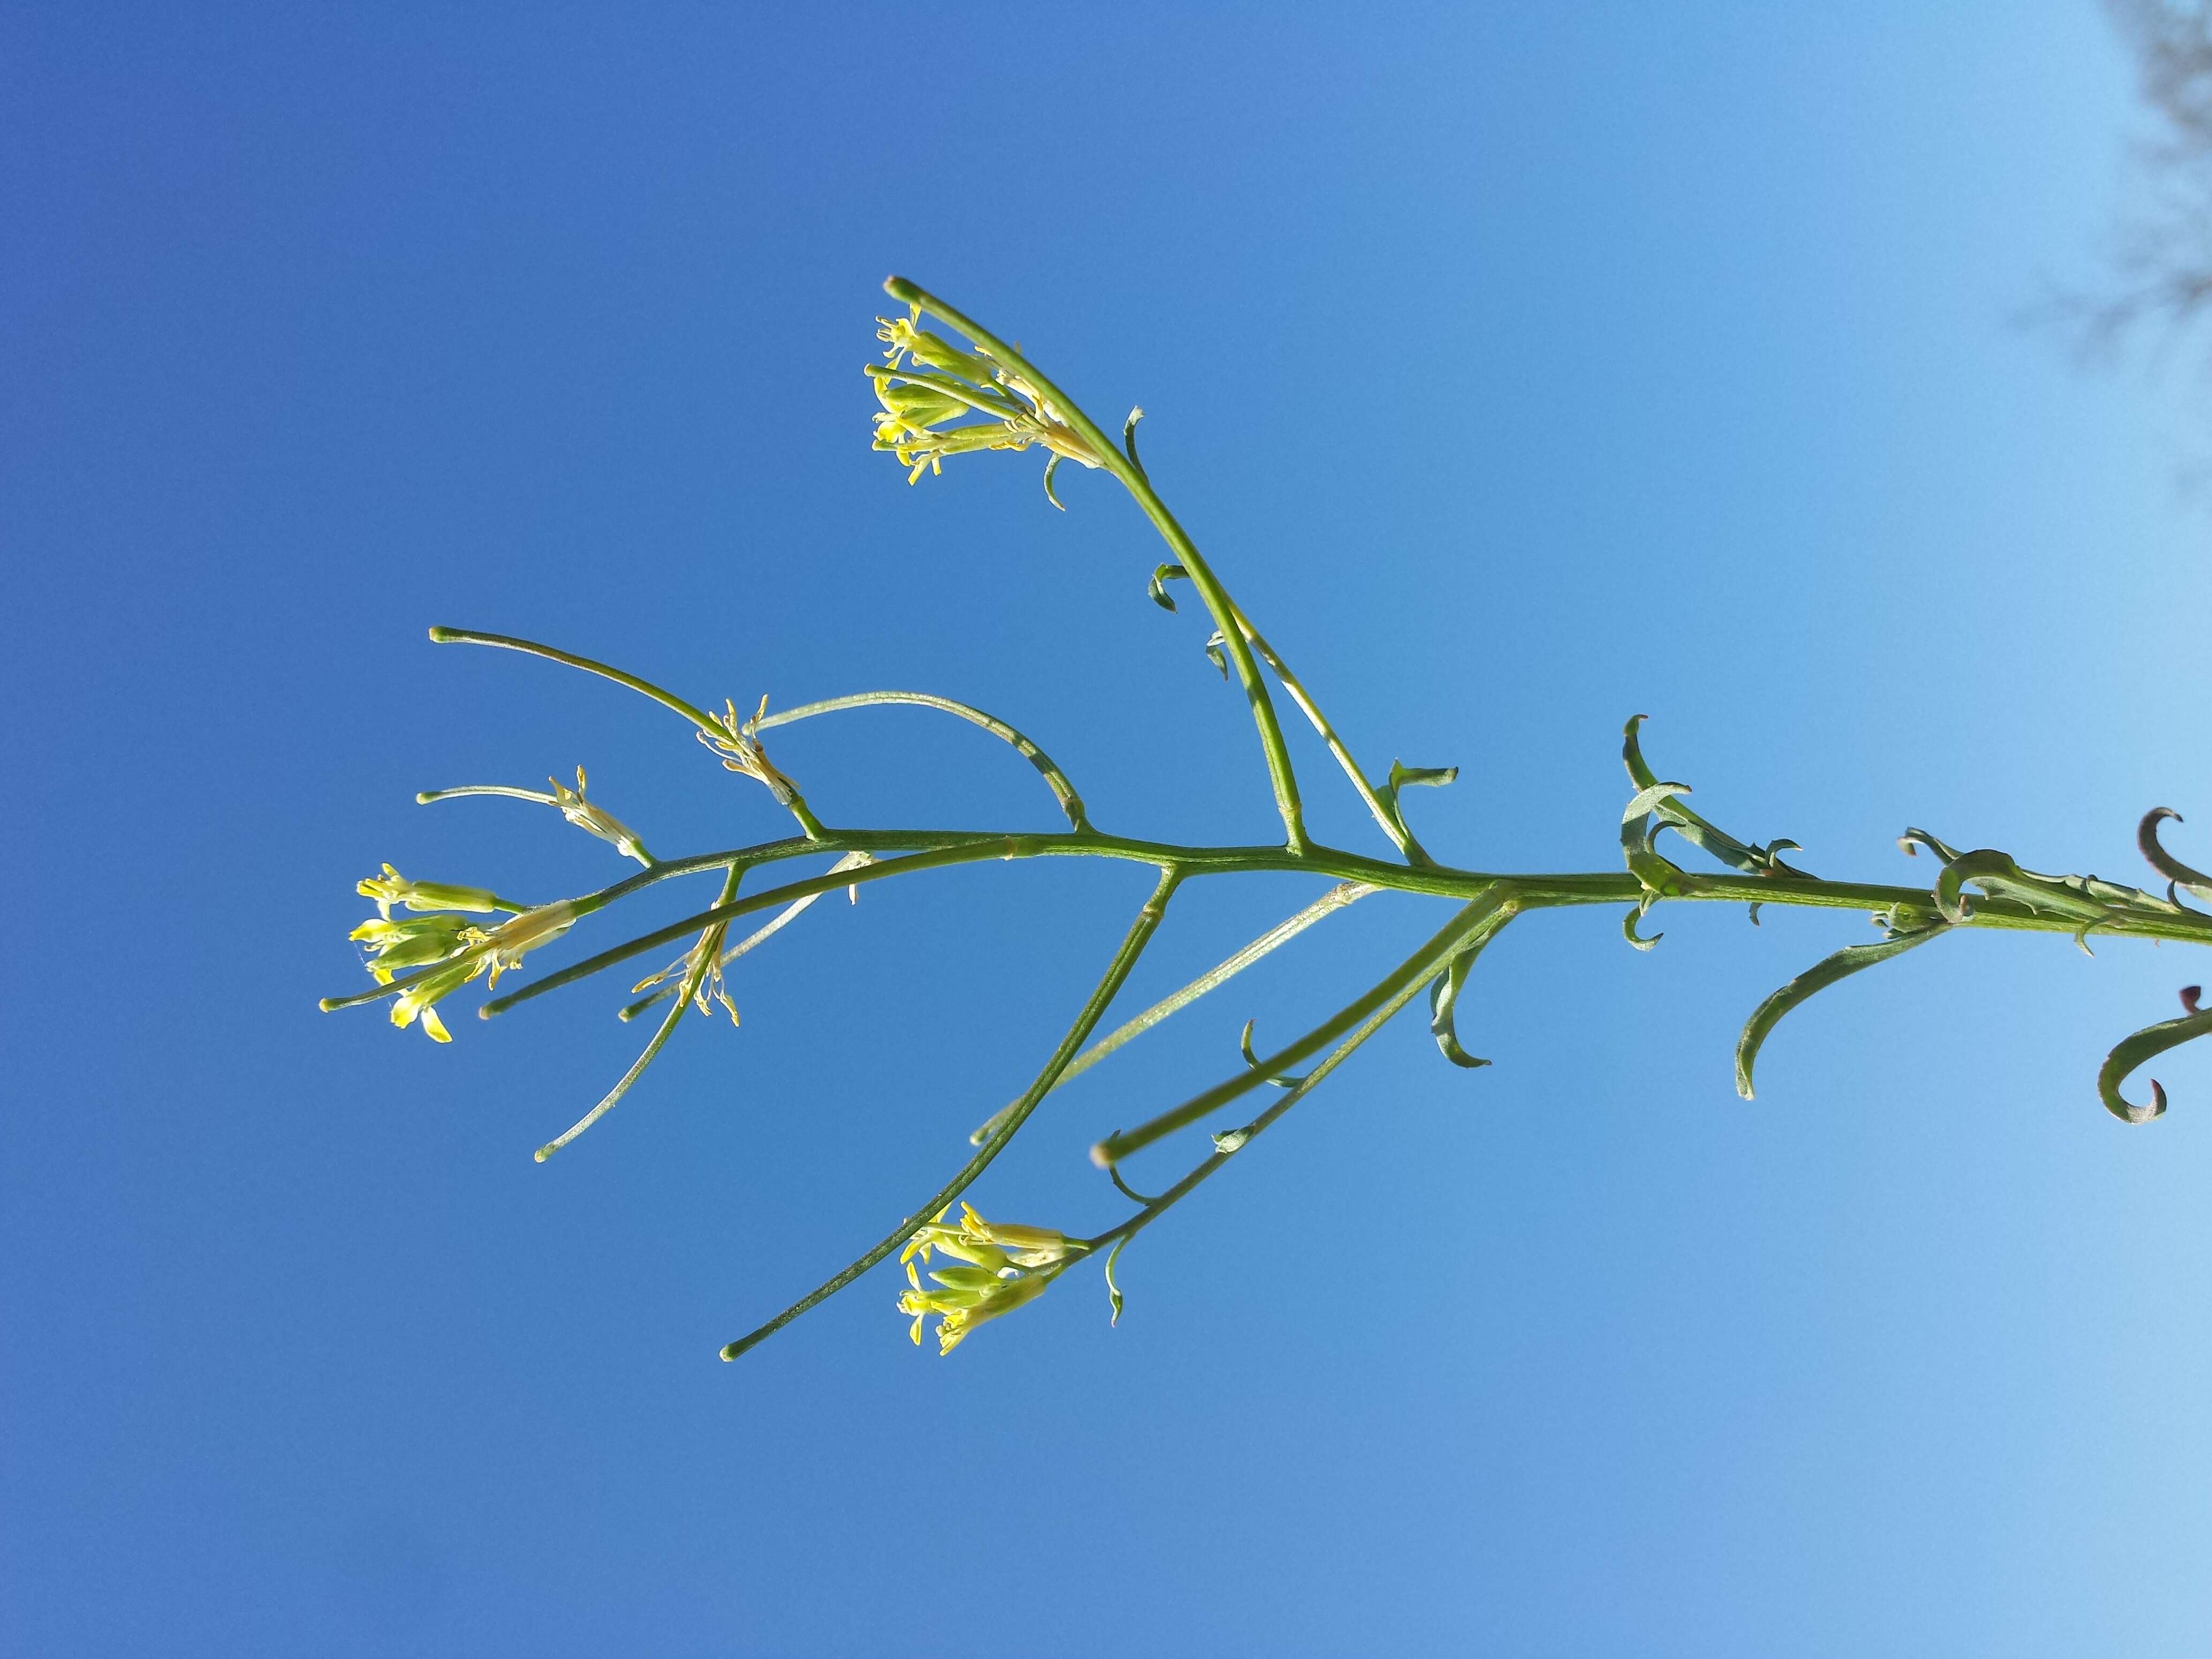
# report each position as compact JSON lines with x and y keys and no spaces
{"x":2162,"y":263}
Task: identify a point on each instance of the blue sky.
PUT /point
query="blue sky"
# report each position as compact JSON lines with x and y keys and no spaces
{"x":1520,"y":369}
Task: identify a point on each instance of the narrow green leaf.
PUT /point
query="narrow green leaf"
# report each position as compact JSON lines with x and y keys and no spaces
{"x":2132,"y":1051}
{"x":1280,"y":1079}
{"x":1129,"y":441}
{"x":1156,"y":589}
{"x":2163,"y":861}
{"x":1983,"y":864}
{"x":1706,"y":837}
{"x":1628,"y":926}
{"x":1844,"y":963}
{"x":1443,"y":1009}
{"x":1913,"y":840}
{"x":1113,"y":1288}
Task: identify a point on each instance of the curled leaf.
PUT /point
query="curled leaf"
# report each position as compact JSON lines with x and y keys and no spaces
{"x":1628,"y":926}
{"x":1051,"y":467}
{"x":1656,"y":873}
{"x":1214,"y":653}
{"x":1444,"y":1002}
{"x":1912,"y":840}
{"x":1129,"y":441}
{"x":1822,"y":974}
{"x":1156,"y":589}
{"x":2163,"y":861}
{"x":1706,"y":837}
{"x":1129,"y":1192}
{"x":2130,"y":1052}
{"x":1280,"y":1079}
{"x":1406,"y":777}
{"x":1981,"y":866}
{"x":1641,"y":803}
{"x":1113,"y":1289}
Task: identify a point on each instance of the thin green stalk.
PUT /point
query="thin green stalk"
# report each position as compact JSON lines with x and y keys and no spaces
{"x":1496,"y":906}
{"x":791,"y":798}
{"x":1280,"y":775}
{"x":660,"y":936}
{"x":1117,"y":973}
{"x":1155,"y":1207}
{"x":754,"y":939}
{"x":1392,"y":824}
{"x":709,"y":942}
{"x":1344,"y":893}
{"x":1063,"y":791}
{"x":938,"y":849}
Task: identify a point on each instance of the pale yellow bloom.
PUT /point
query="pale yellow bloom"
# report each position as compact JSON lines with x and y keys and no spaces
{"x":391,"y":888}
{"x":1002,"y":1267}
{"x":954,"y":401}
{"x":594,"y":819}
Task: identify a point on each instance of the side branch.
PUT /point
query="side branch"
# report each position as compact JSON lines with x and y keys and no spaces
{"x":1117,"y":973}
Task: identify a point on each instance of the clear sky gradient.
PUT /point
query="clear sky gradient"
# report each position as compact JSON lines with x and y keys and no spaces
{"x":1521,"y":369}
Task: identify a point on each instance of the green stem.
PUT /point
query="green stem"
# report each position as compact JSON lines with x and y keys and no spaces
{"x":1344,"y":893}
{"x":1062,"y":790}
{"x":939,"y":848}
{"x":1218,"y":604}
{"x":1483,"y":914}
{"x":1392,"y":824}
{"x":1154,"y":1207}
{"x":710,"y":941}
{"x":792,"y":800}
{"x":1117,"y":972}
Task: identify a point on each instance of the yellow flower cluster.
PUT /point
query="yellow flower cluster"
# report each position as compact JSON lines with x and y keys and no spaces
{"x":927,"y":381}
{"x":1002,"y":1266}
{"x":427,"y":941}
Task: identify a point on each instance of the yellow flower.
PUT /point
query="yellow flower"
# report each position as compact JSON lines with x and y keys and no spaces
{"x":464,"y":949}
{"x":946,"y":384}
{"x":711,"y":990}
{"x":508,"y":943}
{"x":418,"y":997}
{"x":594,"y":819}
{"x":391,"y":888}
{"x":414,"y":942}
{"x":737,"y":745}
{"x":1004,"y":1267}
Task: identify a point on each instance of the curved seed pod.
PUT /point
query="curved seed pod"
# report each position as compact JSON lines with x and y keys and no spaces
{"x":1825,"y":972}
{"x":2130,"y":1052}
{"x":2163,"y":861}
